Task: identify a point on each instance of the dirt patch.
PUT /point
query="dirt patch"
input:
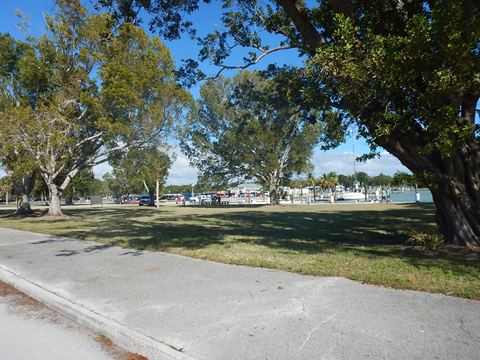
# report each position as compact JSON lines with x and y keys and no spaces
{"x":459,"y":250}
{"x":132,"y":356}
{"x":155,"y":269}
{"x":7,"y":290}
{"x":117,"y":353}
{"x":448,"y":250}
{"x":21,"y":304}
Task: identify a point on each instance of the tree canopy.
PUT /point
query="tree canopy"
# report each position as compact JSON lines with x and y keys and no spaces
{"x":89,"y":89}
{"x":138,"y":170}
{"x":406,"y":72}
{"x":244,"y":128}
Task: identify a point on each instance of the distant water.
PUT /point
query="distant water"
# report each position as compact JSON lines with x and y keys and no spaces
{"x":409,"y":196}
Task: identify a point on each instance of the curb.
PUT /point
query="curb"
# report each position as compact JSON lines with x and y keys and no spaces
{"x":126,"y":338}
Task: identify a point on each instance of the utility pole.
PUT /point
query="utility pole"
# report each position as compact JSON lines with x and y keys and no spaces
{"x":353,"y":154}
{"x":157,"y":184}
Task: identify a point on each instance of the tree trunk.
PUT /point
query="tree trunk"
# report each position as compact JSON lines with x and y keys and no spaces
{"x":24,"y":186}
{"x":54,"y":207}
{"x":273,"y":182}
{"x":273,"y":197}
{"x":55,"y":191}
{"x":455,"y":185}
{"x":458,"y":213}
{"x":24,"y":209}
{"x":69,"y":199}
{"x":151,"y":192}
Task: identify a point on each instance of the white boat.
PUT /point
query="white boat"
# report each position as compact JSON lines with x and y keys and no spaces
{"x":350,"y":195}
{"x":356,"y":192}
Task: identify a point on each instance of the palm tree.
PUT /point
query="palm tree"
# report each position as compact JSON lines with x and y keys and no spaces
{"x":328,"y":181}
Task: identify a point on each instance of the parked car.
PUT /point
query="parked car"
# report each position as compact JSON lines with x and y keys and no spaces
{"x":169,"y":197}
{"x":144,"y":200}
{"x":129,"y":200}
{"x":179,"y":200}
{"x":203,"y":199}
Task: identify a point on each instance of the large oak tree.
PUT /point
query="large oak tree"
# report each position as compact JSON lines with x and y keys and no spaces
{"x":245,"y":128}
{"x":406,"y":71}
{"x":89,"y":89}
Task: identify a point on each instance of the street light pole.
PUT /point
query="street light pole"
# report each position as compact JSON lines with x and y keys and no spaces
{"x":157,"y":184}
{"x":353,"y":154}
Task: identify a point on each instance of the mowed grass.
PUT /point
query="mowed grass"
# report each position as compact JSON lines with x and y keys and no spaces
{"x":359,"y":242}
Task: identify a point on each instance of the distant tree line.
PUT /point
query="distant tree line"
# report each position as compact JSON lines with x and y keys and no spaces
{"x":331,"y":179}
{"x":134,"y":177}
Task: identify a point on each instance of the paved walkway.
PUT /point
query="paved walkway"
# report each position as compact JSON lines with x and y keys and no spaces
{"x":29,"y":331}
{"x":173,"y":307}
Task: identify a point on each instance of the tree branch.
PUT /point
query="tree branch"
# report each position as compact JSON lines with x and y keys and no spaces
{"x":253,"y":62}
{"x":90,"y":138}
{"x":298,"y":14}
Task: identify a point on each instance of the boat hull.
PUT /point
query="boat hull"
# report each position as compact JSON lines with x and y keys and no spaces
{"x":352,"y":196}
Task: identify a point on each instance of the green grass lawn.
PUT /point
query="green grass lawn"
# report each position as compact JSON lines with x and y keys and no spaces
{"x":359,"y":242}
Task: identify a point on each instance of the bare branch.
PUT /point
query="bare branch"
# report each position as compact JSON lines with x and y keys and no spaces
{"x":58,"y":172}
{"x":253,"y":62}
{"x":90,"y":138}
{"x":68,"y":178}
{"x":82,"y":114}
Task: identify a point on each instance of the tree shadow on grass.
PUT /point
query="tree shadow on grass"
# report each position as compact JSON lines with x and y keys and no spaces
{"x":369,"y":233}
{"x":13,"y":214}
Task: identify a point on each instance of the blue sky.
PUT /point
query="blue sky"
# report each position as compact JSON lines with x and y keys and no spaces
{"x":339,"y":159}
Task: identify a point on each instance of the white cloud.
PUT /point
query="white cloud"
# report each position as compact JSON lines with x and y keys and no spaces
{"x":342,"y":163}
{"x":100,"y":170}
{"x":181,"y":172}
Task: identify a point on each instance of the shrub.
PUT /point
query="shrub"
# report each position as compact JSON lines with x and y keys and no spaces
{"x":425,"y":240}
